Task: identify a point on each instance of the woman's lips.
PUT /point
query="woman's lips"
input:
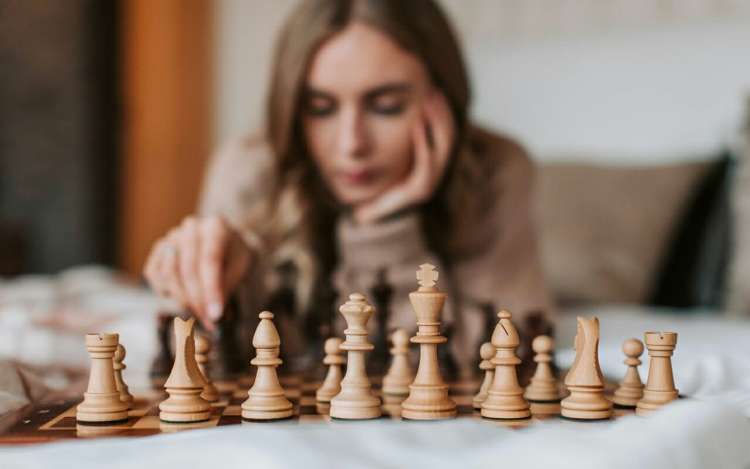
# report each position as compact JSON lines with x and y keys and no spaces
{"x":357,"y":177}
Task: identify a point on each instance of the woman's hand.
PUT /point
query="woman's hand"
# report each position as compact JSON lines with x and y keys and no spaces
{"x":433,"y":137}
{"x":198,"y":264}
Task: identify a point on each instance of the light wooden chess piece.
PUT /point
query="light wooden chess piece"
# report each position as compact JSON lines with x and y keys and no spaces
{"x":335,"y":361}
{"x":543,"y":386}
{"x":202,"y":349}
{"x":505,"y":397}
{"x":118,"y":366}
{"x":185,"y":383}
{"x":486,"y":352}
{"x":428,"y":394}
{"x":396,"y":382}
{"x":631,"y":387}
{"x":660,"y":387}
{"x":102,"y":401}
{"x":584,"y":380}
{"x":356,"y":400}
{"x":266,"y":400}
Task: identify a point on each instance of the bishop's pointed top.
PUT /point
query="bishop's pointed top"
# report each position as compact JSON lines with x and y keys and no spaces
{"x":266,"y":336}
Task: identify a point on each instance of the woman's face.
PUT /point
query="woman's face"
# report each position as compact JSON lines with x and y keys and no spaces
{"x":363,"y":96}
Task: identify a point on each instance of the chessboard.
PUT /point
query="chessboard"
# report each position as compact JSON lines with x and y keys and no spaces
{"x":56,"y":420}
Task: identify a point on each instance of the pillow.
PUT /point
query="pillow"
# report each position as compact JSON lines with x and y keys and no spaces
{"x":603,"y":229}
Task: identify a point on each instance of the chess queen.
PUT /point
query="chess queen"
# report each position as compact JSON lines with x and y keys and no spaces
{"x":368,"y":161}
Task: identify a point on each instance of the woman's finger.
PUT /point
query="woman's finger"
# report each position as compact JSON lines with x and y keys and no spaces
{"x":170,"y":271}
{"x":213,"y":247}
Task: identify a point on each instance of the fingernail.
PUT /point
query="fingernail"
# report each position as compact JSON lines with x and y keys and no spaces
{"x":214,"y":310}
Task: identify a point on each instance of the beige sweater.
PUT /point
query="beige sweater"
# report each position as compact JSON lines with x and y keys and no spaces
{"x":501,"y":266}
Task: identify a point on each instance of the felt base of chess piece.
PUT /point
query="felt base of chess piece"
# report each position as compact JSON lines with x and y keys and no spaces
{"x":586,"y":404}
{"x":102,"y":401}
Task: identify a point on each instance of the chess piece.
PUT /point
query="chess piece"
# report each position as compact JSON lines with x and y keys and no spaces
{"x":381,"y":293}
{"x":631,"y":387}
{"x":543,"y":386}
{"x":266,"y":400}
{"x":102,"y":401}
{"x":118,"y":366}
{"x":202,"y":348}
{"x":185,"y":383}
{"x":660,"y":387}
{"x":428,"y":394}
{"x":584,"y":380}
{"x":356,"y":400}
{"x":334,"y":359}
{"x":486,"y":352}
{"x":505,"y":396}
{"x":396,"y":382}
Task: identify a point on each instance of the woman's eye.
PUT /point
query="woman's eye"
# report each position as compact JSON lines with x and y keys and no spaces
{"x":317,"y":106}
{"x":388,"y":106}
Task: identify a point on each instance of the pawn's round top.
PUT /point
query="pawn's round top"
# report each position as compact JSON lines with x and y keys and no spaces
{"x":266,"y":315}
{"x":400,"y":337}
{"x":487,"y":351}
{"x":202,"y":344}
{"x":119,"y":354}
{"x":504,"y":314}
{"x":332,"y":346}
{"x":632,"y":348}
{"x":542,"y":344}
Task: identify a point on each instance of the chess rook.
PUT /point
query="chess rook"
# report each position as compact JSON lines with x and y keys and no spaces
{"x":428,"y":394}
{"x":356,"y":400}
{"x":396,"y":382}
{"x":505,"y":396}
{"x":266,"y":400}
{"x":630,"y":390}
{"x":660,"y":387}
{"x":185,"y":383}
{"x":335,"y":360}
{"x":584,"y":380}
{"x":102,"y":401}
{"x":202,"y":349}
{"x":118,"y":366}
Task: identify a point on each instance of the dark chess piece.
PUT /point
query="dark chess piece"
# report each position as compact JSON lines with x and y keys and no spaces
{"x":382,"y":293}
{"x":283,"y":303}
{"x":319,"y":321}
{"x":162,"y":363}
{"x":448,"y":365}
{"x":231,"y":356}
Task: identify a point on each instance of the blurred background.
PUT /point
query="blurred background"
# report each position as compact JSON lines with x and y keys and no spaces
{"x":634,"y":111}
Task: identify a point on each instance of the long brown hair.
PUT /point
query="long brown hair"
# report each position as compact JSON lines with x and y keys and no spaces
{"x":303,"y":212}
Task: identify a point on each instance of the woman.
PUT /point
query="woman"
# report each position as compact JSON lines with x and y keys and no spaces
{"x":368,"y":164}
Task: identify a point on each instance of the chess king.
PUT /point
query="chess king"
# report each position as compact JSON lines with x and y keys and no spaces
{"x":368,"y":160}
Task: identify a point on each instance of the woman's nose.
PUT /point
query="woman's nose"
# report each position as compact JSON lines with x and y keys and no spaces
{"x":353,"y":141}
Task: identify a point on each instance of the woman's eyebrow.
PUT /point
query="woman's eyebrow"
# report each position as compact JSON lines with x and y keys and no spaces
{"x":388,"y":88}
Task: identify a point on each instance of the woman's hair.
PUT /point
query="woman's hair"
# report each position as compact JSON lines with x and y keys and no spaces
{"x":301,"y":223}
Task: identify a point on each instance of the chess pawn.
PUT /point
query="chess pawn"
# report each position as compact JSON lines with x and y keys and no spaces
{"x":202,"y":348}
{"x":660,"y":387}
{"x":396,"y":382}
{"x":505,"y":396}
{"x":584,"y":380}
{"x":486,"y":352}
{"x":102,"y":401}
{"x":631,"y":387}
{"x":118,"y":366}
{"x":428,"y":394}
{"x":185,"y":382}
{"x":355,"y":400}
{"x":335,"y":361}
{"x":266,"y":400}
{"x":543,"y":386}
